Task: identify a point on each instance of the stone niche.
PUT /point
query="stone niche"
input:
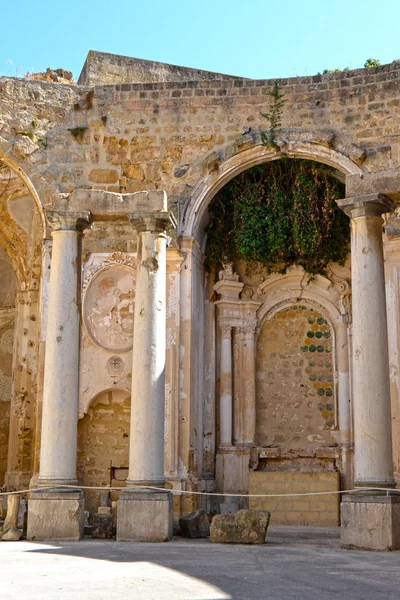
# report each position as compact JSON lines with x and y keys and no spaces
{"x":103,"y":445}
{"x":108,"y":294}
{"x":296,"y":415}
{"x":295,"y":381}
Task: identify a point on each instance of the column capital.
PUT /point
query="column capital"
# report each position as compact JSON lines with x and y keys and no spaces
{"x":64,"y":220}
{"x":248,"y":330}
{"x":370,"y":205}
{"x":226,"y":330}
{"x":152,"y":222}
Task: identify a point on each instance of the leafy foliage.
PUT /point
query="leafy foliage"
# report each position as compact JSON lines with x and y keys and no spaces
{"x":372,"y":63}
{"x":279,"y":213}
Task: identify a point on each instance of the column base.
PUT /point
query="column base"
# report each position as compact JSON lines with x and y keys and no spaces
{"x":232,"y":476}
{"x":370,"y":522}
{"x":56,"y":515}
{"x":145,"y":516}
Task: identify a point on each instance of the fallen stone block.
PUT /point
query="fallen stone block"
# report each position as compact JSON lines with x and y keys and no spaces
{"x":195,"y":525}
{"x":102,"y":527}
{"x":245,"y":527}
{"x":12,"y":535}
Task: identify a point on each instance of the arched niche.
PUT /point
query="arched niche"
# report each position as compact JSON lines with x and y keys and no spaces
{"x":195,"y":219}
{"x":103,"y":444}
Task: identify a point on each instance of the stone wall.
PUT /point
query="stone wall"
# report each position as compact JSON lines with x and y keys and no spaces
{"x":101,"y":68}
{"x":187,"y":137}
{"x":103,"y":445}
{"x":6,"y":359}
{"x":295,"y":389}
{"x":318,"y":510}
{"x":128,"y":137}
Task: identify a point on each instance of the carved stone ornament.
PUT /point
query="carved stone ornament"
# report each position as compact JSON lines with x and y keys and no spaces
{"x":108,"y":300}
{"x":99,"y":261}
{"x":227,"y":273}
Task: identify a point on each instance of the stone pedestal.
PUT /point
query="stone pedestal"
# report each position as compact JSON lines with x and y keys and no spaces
{"x":145,"y":516}
{"x":370,"y":522}
{"x":57,"y":514}
{"x":232,"y":475}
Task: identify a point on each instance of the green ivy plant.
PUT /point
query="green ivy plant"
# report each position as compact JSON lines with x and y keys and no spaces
{"x":280,"y":213}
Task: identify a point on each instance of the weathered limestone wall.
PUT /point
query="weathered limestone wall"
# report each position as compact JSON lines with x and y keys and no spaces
{"x":103,"y":445}
{"x":7,"y":317}
{"x":295,"y":381}
{"x":317,"y":511}
{"x":101,"y":68}
{"x":129,"y":137}
{"x":180,"y":136}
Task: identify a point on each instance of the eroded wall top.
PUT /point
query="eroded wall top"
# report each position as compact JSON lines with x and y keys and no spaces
{"x":103,"y":68}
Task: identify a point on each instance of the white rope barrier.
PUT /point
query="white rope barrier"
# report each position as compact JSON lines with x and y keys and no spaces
{"x":193,"y":493}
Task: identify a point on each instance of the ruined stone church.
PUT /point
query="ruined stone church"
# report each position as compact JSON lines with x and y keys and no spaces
{"x":124,"y":362}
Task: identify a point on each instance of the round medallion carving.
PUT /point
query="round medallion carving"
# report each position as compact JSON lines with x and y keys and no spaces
{"x":109,"y":306}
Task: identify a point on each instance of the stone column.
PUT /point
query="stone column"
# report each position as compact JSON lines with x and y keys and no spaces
{"x":50,"y":511}
{"x":344,"y":407}
{"x":143,"y":514}
{"x":365,"y":519}
{"x":371,"y":393}
{"x":225,"y":396}
{"x":249,"y":399}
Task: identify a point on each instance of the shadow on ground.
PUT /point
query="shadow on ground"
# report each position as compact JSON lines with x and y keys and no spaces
{"x":299,"y":563}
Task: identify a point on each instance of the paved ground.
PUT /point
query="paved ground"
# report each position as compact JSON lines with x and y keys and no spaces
{"x":299,"y":563}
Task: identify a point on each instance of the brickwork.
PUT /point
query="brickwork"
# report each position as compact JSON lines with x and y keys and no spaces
{"x":103,"y":445}
{"x":321,"y":511}
{"x":295,"y":391}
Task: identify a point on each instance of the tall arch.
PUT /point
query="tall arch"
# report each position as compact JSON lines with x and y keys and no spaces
{"x":194,"y":215}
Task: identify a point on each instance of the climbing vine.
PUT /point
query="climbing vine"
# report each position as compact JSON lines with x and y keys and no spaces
{"x":278,"y":214}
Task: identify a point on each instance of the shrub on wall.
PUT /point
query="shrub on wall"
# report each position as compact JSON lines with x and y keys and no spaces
{"x":280,"y":213}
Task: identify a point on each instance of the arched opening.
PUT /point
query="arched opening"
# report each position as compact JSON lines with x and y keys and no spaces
{"x":243,"y":295}
{"x":21,"y":234}
{"x":103,"y":445}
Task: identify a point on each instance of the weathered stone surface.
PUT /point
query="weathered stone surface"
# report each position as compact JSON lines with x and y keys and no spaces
{"x":104,"y":510}
{"x":246,"y":527}
{"x":195,"y":525}
{"x":12,"y":512}
{"x":56,"y":514}
{"x":22,"y":514}
{"x":102,"y":525}
{"x":144,"y":516}
{"x":370,"y":522}
{"x":12,"y":535}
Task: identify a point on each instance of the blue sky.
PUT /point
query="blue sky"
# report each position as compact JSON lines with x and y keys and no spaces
{"x":251,"y":38}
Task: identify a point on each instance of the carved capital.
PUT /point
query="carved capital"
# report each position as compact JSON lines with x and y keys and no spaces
{"x":226,"y":330}
{"x":247,"y":331}
{"x":152,"y":222}
{"x":371,"y":205}
{"x":64,"y":220}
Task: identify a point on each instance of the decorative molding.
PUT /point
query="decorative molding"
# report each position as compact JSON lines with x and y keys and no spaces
{"x":98,"y":261}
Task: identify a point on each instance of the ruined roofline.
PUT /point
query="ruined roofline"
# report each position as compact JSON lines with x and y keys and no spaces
{"x":385,"y":76}
{"x":103,"y":68}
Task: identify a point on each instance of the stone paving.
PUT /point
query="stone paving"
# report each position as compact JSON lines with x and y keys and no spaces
{"x":296,"y":563}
